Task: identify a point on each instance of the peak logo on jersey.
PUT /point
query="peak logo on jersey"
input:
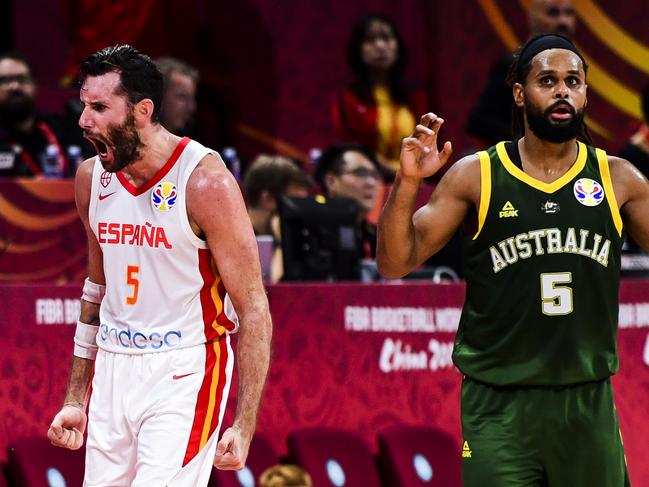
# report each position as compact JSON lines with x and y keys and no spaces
{"x":105,"y":178}
{"x":466,"y":451}
{"x":508,"y":210}
{"x":164,"y":196}
{"x":588,"y":192}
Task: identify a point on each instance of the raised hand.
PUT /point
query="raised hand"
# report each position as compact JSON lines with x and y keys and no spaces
{"x":232,"y":450}
{"x":420,"y":157}
{"x":67,"y":427}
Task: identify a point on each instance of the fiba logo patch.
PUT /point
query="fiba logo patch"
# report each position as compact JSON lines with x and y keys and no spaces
{"x":588,"y":192}
{"x":164,"y":196}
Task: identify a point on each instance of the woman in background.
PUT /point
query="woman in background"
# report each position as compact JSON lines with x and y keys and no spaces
{"x":376,"y":109}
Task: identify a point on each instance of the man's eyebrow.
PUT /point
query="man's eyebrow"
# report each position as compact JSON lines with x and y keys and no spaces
{"x":554,"y":71}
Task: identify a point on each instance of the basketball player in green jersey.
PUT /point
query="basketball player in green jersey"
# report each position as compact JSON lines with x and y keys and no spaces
{"x":537,"y":338}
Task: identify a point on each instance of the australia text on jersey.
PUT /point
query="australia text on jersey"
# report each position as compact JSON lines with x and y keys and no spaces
{"x":551,"y":241}
{"x":145,"y":235}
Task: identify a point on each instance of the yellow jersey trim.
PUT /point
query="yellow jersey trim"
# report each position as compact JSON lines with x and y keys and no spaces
{"x":549,"y":188}
{"x":485,"y":189}
{"x":605,"y":172}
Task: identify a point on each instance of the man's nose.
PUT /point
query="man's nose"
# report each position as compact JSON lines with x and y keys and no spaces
{"x":562,"y":90}
{"x":84,"y":119}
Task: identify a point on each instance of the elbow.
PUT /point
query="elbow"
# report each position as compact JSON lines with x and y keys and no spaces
{"x":389,"y":270}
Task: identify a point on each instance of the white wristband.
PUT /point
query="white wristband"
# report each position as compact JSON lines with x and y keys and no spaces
{"x":85,"y":338}
{"x":93,"y":292}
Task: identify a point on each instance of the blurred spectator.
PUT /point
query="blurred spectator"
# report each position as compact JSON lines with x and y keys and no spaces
{"x":285,"y":476}
{"x":352,"y":171}
{"x":379,"y":106}
{"x":636,"y":149}
{"x":268,"y":178}
{"x":30,"y":143}
{"x":490,"y":119}
{"x":179,"y":100}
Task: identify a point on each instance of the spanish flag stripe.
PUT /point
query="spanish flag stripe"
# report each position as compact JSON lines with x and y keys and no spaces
{"x":207,"y":423}
{"x":202,"y":405}
{"x":208,"y":305}
{"x":223,"y":379}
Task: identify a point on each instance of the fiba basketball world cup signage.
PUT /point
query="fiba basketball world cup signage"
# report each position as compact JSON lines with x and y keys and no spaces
{"x":414,"y":338}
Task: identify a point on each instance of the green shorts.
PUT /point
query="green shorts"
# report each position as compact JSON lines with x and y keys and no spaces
{"x":565,"y":436}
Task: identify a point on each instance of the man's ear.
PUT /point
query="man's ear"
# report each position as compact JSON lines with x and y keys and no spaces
{"x":143,"y":111}
{"x":519,"y":95}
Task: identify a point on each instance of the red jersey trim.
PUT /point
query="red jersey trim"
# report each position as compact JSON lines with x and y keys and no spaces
{"x":135,"y":191}
{"x":210,"y":398}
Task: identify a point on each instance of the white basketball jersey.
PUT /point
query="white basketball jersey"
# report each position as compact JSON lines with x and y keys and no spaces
{"x":163,"y":290}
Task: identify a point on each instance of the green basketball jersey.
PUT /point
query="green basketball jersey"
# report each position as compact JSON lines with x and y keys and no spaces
{"x":542,"y":275}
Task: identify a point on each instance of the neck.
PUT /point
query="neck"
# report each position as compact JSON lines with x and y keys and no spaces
{"x":379,"y":77}
{"x":546,"y":160}
{"x":260,"y":219}
{"x":159,"y":144}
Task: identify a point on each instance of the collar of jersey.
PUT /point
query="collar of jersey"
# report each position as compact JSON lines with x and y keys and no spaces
{"x":162,"y":172}
{"x":518,"y":173}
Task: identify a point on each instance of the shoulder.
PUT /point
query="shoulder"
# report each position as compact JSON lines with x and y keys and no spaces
{"x":83,"y":176}
{"x":209,"y":174}
{"x":82,"y":186}
{"x":628,"y":181}
{"x":464,"y":171}
{"x":622,"y":170}
{"x":211,"y":185}
{"x":462,"y":180}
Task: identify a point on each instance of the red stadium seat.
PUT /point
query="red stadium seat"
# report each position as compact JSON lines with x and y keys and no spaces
{"x":261,"y":456}
{"x":35,"y":462}
{"x":333,"y":457}
{"x":419,"y":456}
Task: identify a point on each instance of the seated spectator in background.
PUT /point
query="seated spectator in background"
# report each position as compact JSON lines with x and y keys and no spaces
{"x":268,"y":178}
{"x":285,"y":476}
{"x":377,"y":108}
{"x":30,"y":143}
{"x":490,"y":119}
{"x":179,"y":96}
{"x":637,"y":148}
{"x":352,"y":171}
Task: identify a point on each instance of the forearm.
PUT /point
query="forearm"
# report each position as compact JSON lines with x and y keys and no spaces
{"x":396,"y":243}
{"x":253,"y":356}
{"x":79,"y":381}
{"x":81,"y":369}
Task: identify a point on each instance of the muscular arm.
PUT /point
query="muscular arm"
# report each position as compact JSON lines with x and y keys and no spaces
{"x":215,"y":205}
{"x":69,"y":424}
{"x":81,"y":370}
{"x":632,"y":194}
{"x":406,"y":240}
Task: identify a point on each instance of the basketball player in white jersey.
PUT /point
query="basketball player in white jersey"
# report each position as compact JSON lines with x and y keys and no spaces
{"x":172,"y":255}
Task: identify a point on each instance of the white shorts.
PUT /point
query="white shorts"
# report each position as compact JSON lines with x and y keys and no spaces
{"x":154,"y":418}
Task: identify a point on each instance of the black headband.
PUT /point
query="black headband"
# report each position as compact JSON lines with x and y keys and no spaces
{"x":542,"y":43}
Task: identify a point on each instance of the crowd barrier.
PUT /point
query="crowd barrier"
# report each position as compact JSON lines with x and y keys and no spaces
{"x":361,"y":357}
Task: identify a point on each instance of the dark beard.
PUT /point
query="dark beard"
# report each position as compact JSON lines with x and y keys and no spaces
{"x":556,"y":132}
{"x":17,"y":108}
{"x":126,"y":143}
